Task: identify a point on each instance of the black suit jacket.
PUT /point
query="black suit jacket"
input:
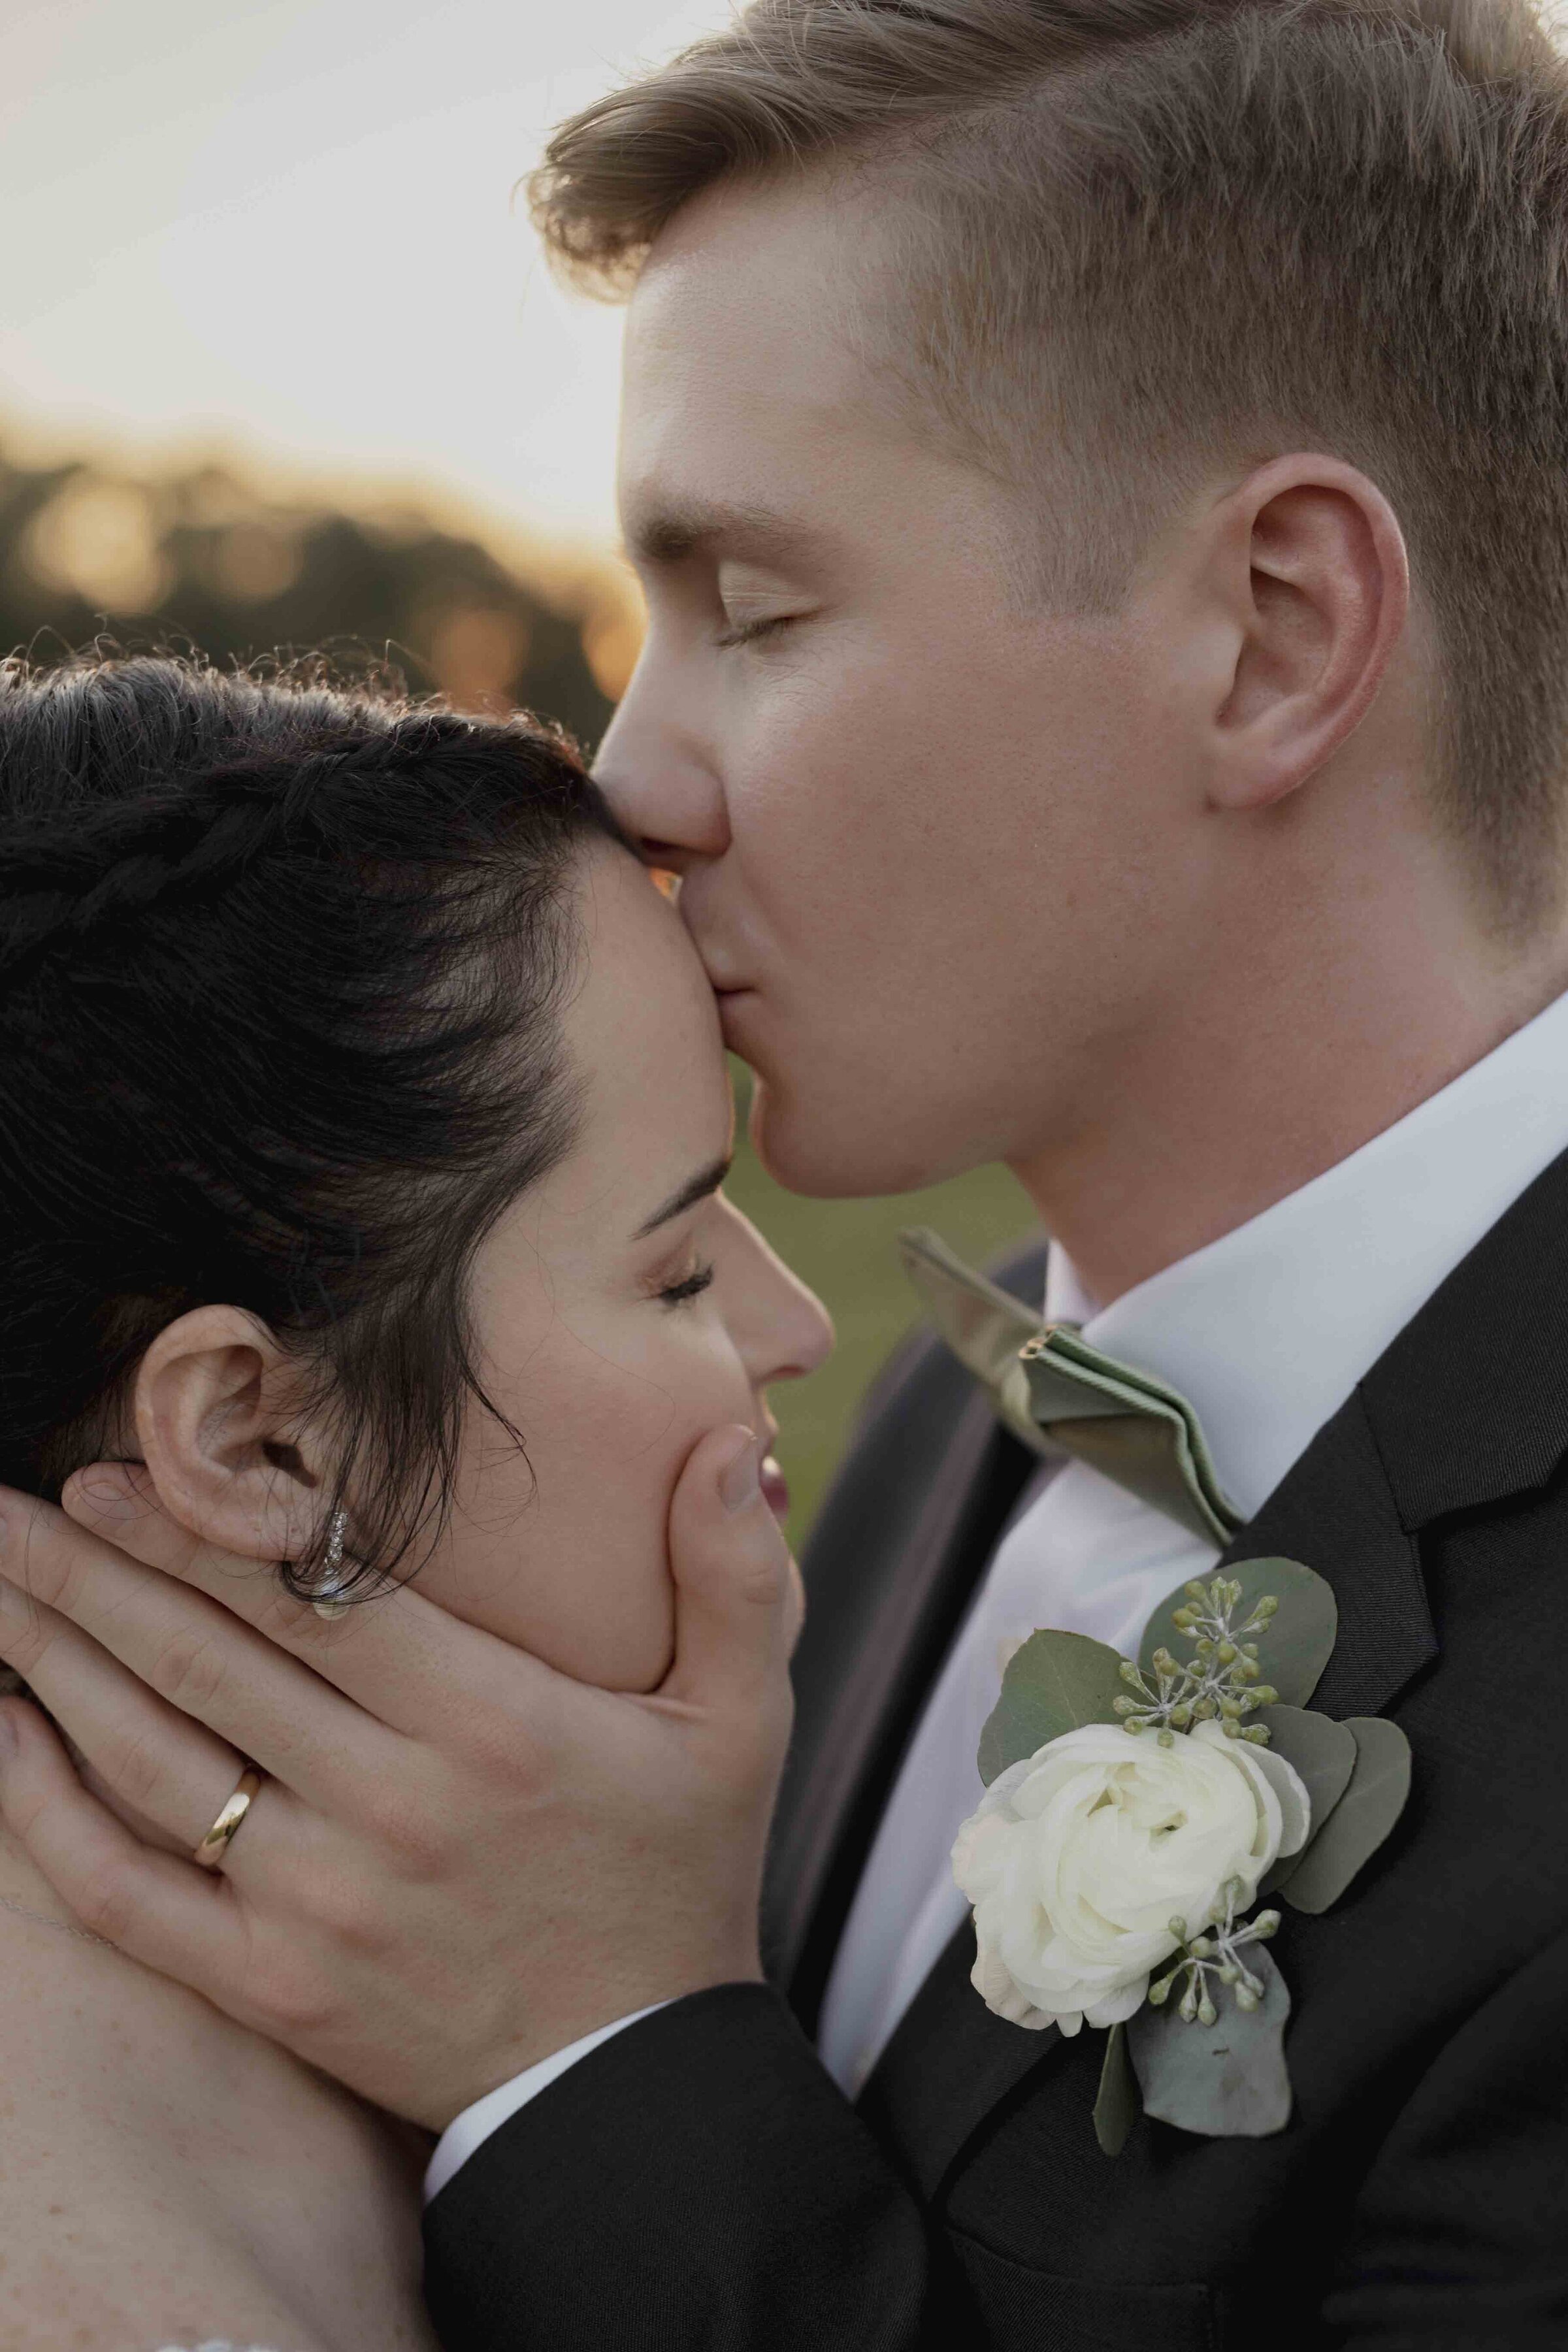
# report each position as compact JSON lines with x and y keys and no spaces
{"x":699,"y":2181}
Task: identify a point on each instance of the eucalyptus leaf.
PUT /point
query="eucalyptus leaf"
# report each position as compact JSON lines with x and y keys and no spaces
{"x":1324,"y":1753}
{"x":1228,"y":2080}
{"x":1116,"y":2108}
{"x":1054,"y":1682}
{"x":1292,"y":1649}
{"x":1360,"y":1821}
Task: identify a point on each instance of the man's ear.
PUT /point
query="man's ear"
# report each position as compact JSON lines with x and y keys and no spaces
{"x":218,"y":1424}
{"x":1307,"y":562}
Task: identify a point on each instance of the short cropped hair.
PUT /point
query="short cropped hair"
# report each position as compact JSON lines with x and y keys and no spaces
{"x":1156,"y":238}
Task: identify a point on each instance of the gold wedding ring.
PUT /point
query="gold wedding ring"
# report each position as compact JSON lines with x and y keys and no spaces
{"x":209,"y":1854}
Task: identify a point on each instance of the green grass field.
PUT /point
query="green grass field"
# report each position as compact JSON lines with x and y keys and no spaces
{"x":845,"y":1250}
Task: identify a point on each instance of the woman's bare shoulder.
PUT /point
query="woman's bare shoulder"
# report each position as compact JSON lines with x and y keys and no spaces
{"x":168,"y":2179}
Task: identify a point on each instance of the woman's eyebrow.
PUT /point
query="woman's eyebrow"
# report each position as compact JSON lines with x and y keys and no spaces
{"x":696,"y":1188}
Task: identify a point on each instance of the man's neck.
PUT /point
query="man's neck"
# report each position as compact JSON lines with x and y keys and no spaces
{"x":1206,"y":1131}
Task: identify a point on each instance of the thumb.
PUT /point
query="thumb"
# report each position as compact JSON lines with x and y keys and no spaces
{"x":734,"y":1577}
{"x":118,"y":1502}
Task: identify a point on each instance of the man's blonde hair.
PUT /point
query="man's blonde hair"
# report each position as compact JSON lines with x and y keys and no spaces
{"x":1153,"y":238}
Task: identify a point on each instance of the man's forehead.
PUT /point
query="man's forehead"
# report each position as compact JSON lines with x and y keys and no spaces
{"x":740,"y":441}
{"x":741,"y":301}
{"x":750,"y":412}
{"x":769,"y":226}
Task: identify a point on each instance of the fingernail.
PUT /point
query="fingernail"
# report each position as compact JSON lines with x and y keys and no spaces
{"x":738,"y":1481}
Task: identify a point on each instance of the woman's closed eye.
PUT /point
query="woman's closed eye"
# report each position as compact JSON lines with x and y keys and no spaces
{"x":690,"y":1285}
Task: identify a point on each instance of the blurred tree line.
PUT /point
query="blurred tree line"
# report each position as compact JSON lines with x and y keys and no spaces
{"x":215,"y":559}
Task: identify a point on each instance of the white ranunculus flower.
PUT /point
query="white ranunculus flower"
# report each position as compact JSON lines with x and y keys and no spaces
{"x":1079,"y":1857}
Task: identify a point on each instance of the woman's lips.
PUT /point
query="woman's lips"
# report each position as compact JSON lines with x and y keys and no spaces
{"x":774,"y":1486}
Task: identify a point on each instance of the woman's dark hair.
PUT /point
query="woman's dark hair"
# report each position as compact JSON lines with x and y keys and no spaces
{"x":281,"y":967}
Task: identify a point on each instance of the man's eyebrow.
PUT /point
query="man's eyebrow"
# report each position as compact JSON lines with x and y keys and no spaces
{"x":696,"y":1188}
{"x":669,"y":535}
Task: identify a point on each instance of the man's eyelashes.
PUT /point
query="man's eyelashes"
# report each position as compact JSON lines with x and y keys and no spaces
{"x":748,"y":633}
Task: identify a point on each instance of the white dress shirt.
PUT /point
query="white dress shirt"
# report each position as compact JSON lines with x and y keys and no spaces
{"x":1267,"y":1331}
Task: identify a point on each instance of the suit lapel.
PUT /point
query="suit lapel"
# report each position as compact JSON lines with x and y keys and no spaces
{"x":844,"y":1763}
{"x":1336,"y":1511}
{"x":947,"y":2069}
{"x":901,"y":1542}
{"x":1469,"y":1405}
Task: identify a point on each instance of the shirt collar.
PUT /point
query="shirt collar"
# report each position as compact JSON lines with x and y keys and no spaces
{"x":1268,"y":1329}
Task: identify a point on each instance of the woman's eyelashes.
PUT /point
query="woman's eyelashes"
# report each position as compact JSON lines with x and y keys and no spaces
{"x":683,"y":1275}
{"x":690,"y":1286}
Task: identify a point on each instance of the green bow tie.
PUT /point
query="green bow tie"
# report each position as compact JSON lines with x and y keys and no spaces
{"x":1058,"y":1394}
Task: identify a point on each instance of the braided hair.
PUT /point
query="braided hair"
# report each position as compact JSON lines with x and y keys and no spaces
{"x":280,"y":973}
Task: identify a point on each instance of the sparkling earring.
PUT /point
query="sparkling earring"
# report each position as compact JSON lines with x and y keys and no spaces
{"x":328,"y":1598}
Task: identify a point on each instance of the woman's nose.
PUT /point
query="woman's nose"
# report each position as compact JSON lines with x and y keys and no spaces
{"x":801,"y":1335}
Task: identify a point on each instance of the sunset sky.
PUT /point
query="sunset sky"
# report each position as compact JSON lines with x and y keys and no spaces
{"x":286,"y":227}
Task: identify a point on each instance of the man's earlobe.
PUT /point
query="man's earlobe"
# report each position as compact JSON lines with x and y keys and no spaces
{"x":213,"y":1422}
{"x":1318,"y":581}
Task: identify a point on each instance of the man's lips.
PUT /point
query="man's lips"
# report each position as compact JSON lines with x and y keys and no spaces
{"x":775,"y":1487}
{"x":726,"y":977}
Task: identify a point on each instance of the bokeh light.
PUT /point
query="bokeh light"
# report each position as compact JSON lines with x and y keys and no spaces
{"x":285,"y":228}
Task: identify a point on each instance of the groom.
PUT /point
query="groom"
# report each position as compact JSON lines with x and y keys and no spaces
{"x":1100,"y":475}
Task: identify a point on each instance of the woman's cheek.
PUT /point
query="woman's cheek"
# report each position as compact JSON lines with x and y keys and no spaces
{"x":583,"y":1585}
{"x":560,"y":1548}
{"x":565,"y":1553}
{"x":612,"y":1622}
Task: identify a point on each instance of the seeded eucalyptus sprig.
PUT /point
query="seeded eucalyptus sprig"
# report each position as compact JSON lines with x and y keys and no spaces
{"x":1220,"y":1682}
{"x":1214,"y":1950}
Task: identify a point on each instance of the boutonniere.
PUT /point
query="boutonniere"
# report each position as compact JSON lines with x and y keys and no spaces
{"x":1135,"y":1814}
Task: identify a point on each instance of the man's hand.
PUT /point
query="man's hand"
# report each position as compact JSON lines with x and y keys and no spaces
{"x":460,"y":1860}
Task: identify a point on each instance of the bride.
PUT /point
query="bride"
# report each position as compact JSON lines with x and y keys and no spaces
{"x":364,"y":1121}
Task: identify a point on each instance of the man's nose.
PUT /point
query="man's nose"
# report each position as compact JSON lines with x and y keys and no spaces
{"x":661,"y":780}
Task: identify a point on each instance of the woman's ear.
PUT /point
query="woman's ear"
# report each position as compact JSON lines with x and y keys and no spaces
{"x":217,"y":1423}
{"x":1308,"y":560}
